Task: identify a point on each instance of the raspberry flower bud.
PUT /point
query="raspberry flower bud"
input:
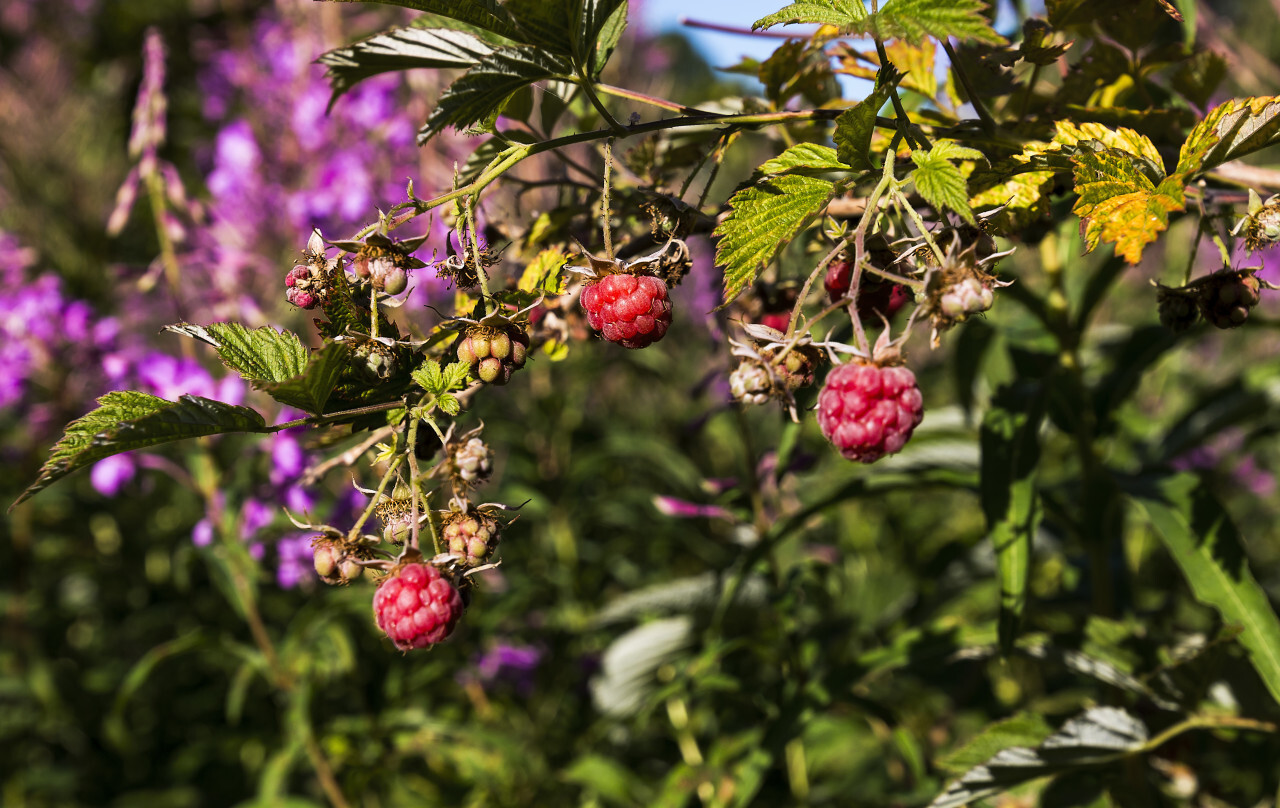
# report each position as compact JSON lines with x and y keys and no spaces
{"x":473,"y":462}
{"x":750,"y":382}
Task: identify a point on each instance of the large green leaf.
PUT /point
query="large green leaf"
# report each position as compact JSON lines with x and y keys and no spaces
{"x":910,"y":20}
{"x":1231,"y":130}
{"x":1206,"y":545}
{"x":402,"y":49}
{"x":480,"y":93}
{"x":1010,"y":500}
{"x":275,"y":362}
{"x":855,"y":126}
{"x":597,"y":27}
{"x":487,"y":15}
{"x":939,"y":180}
{"x":917,"y":20}
{"x":768,"y":214}
{"x":127,"y":420}
{"x":840,"y":13}
{"x":546,"y":24}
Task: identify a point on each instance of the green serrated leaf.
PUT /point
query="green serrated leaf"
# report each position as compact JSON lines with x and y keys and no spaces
{"x":855,"y":126}
{"x":764,"y":218}
{"x":1010,"y":500}
{"x":1231,"y":130}
{"x":486,"y":87}
{"x":429,"y":377}
{"x":487,"y":15}
{"x":1204,"y":542}
{"x":1023,"y":197}
{"x":262,"y":354}
{"x":803,"y":157}
{"x":916,"y":20}
{"x":1119,"y":202}
{"x":939,"y":180}
{"x":401,"y":49}
{"x":127,"y":420}
{"x":455,"y":375}
{"x":546,"y":24}
{"x":310,"y":390}
{"x":840,"y":13}
{"x":274,"y":361}
{"x":597,"y":26}
{"x":449,"y":404}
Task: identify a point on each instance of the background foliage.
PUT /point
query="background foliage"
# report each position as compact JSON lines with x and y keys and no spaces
{"x":700,"y":603}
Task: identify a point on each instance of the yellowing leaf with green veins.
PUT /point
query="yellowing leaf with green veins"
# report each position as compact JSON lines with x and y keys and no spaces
{"x":1024,"y":196}
{"x":545,"y":273}
{"x":1231,"y":130}
{"x":1120,"y":203}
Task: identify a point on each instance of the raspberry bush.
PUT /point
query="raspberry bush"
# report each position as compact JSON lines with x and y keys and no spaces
{"x":952,"y":423}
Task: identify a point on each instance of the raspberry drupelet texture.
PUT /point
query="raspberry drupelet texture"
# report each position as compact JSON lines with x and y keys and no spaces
{"x":631,"y":310}
{"x":867,"y":411}
{"x":417,"y":606}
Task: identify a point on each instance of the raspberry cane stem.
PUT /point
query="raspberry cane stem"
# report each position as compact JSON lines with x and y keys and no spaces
{"x":808,"y":284}
{"x":473,"y":247}
{"x":354,"y":533}
{"x":887,"y":182}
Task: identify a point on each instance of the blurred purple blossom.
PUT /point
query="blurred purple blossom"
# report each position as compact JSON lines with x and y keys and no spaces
{"x":506,"y":664}
{"x":202,"y":533}
{"x":683,"y":509}
{"x":111,"y":474}
{"x":294,"y":561}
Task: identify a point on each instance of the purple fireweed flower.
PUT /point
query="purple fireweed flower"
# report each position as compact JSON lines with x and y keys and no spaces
{"x":294,"y":561}
{"x":202,"y":533}
{"x":148,"y":132}
{"x":254,"y":516}
{"x":111,"y":474}
{"x":682,"y":509}
{"x":506,"y":664}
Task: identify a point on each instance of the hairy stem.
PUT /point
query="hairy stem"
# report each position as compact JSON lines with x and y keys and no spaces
{"x":354,"y":533}
{"x":988,"y":123}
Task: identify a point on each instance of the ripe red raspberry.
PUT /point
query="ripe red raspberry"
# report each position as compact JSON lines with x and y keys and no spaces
{"x":631,"y":310}
{"x":867,"y":411}
{"x":417,"y":606}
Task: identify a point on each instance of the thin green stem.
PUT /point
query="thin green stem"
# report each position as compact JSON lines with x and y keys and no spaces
{"x":330,"y":417}
{"x":988,"y":123}
{"x":904,"y":121}
{"x":904,"y":204}
{"x":1026,"y":97}
{"x":473,"y":251}
{"x":588,"y":86}
{"x":652,"y":100}
{"x":411,"y":452}
{"x":354,"y":533}
{"x":808,"y":284}
{"x":604,"y":198}
{"x":887,"y":183}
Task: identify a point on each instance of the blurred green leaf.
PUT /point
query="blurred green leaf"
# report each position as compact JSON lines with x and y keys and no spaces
{"x":1203,"y":540}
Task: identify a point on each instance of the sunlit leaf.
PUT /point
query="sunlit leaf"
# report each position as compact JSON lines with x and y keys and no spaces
{"x":127,"y":420}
